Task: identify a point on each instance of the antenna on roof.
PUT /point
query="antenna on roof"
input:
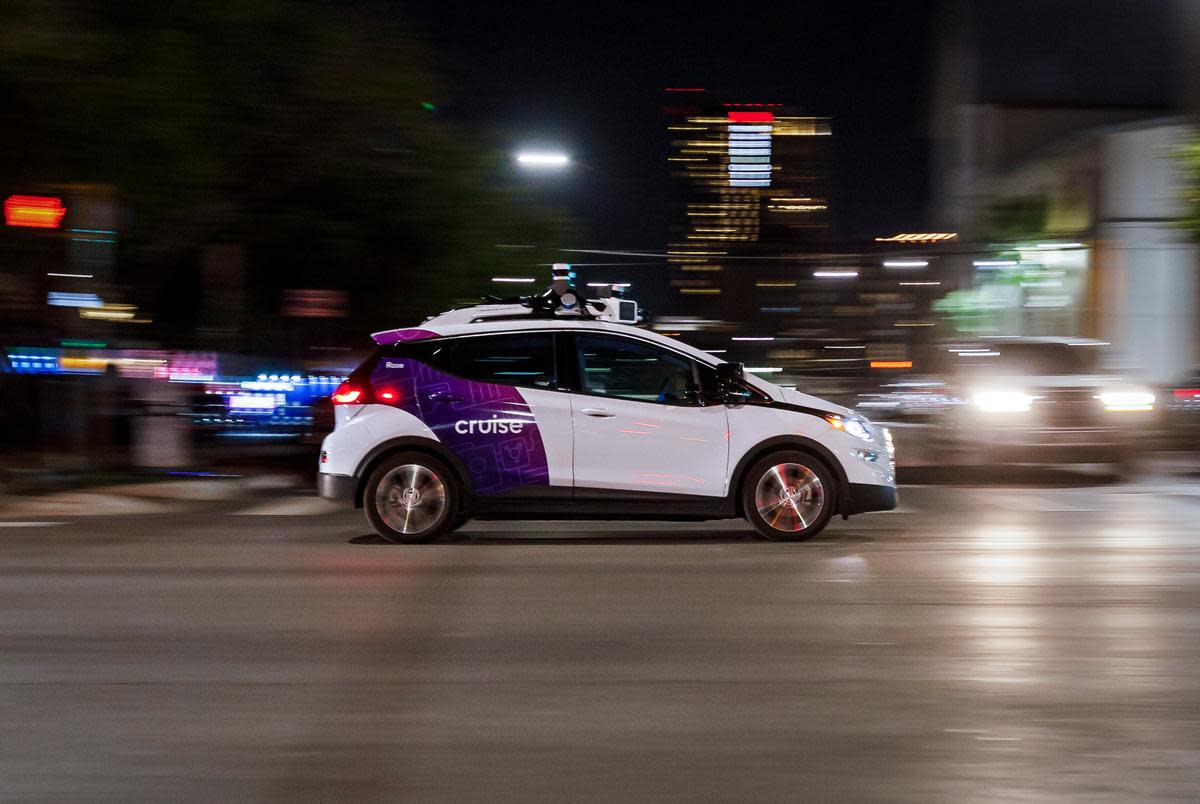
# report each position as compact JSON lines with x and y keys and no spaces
{"x":562,"y":285}
{"x":563,"y":272}
{"x":561,"y":298}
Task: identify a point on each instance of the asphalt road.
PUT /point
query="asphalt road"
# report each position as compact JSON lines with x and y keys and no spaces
{"x":985,"y":642}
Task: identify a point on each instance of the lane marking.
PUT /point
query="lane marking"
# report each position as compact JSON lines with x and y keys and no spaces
{"x":297,"y":506}
{"x":30,"y":524}
{"x":1015,"y":501}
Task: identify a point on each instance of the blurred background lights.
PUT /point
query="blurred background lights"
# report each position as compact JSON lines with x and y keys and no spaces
{"x":545,"y":160}
{"x":34,"y":211}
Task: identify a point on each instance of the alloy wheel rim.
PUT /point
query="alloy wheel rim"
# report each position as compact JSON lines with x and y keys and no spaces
{"x":410,"y":499}
{"x":789,"y":497}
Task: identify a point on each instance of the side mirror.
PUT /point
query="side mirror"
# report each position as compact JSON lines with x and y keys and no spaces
{"x":730,"y":372}
{"x":729,"y":384}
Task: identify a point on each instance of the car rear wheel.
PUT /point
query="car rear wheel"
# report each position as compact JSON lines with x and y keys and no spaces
{"x":411,"y":497}
{"x":788,"y":496}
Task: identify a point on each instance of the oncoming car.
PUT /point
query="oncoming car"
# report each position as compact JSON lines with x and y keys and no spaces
{"x":497,"y":411}
{"x":1040,"y":400}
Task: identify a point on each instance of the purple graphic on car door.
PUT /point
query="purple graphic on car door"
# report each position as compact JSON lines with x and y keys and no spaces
{"x":491,"y":428}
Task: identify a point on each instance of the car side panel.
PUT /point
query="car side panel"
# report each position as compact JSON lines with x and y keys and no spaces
{"x":751,"y":425}
{"x":359,"y":428}
{"x":552,"y":412}
{"x":493,"y":429}
{"x":648,"y":447}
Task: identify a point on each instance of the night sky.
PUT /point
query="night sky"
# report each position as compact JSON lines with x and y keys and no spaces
{"x":590,"y":76}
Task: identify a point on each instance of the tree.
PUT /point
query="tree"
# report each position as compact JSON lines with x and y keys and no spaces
{"x":1188,"y":156}
{"x":301,"y":131}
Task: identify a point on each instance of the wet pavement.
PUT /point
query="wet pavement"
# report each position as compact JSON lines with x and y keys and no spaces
{"x":987,"y":641}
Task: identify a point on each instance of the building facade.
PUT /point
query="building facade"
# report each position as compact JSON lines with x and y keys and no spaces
{"x":1059,"y":167}
{"x":750,"y":181}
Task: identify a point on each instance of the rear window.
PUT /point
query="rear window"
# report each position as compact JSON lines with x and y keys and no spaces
{"x":1024,"y":359}
{"x":522,"y":358}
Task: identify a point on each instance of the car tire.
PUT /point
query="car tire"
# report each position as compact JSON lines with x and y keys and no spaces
{"x":789,"y":496}
{"x":411,"y":497}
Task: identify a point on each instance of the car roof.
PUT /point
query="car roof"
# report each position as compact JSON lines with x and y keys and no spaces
{"x":450,"y":325}
{"x":1036,"y":340}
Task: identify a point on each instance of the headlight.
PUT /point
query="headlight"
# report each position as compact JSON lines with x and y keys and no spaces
{"x":1127,"y":400}
{"x":855,"y":427}
{"x":1003,"y":401}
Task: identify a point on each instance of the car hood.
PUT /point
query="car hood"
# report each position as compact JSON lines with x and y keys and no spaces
{"x":790,"y":397}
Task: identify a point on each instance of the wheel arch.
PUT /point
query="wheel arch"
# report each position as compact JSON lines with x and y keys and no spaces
{"x":796,"y":443}
{"x":434,"y":449}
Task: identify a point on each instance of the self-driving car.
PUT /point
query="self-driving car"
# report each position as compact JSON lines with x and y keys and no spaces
{"x":559,"y":407}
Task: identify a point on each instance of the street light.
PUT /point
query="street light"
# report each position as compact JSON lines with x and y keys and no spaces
{"x":543,"y":160}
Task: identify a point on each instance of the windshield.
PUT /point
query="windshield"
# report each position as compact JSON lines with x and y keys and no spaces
{"x":1027,"y":359}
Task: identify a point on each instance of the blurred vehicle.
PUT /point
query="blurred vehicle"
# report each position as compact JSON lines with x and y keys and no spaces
{"x":1182,"y":409}
{"x":553,"y":408}
{"x":322,"y":424}
{"x":271,"y":409}
{"x":1022,"y":400}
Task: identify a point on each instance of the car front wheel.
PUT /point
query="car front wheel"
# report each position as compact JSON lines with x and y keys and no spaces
{"x":788,"y":496}
{"x":411,"y":497}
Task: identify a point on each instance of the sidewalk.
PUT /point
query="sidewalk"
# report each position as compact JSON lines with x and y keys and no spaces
{"x":216,"y":470}
{"x":93,"y":494}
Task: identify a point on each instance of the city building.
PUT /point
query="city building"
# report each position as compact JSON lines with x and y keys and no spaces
{"x":751,"y":181}
{"x":1060,"y":169}
{"x":754,"y":274}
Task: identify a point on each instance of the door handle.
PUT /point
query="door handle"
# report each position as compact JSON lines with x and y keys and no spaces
{"x":599,"y":413}
{"x":435,"y":397}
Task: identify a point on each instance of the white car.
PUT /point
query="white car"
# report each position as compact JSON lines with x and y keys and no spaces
{"x":1024,"y":400}
{"x":504,"y":410}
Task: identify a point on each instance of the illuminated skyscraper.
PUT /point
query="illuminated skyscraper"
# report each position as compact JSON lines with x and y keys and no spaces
{"x":751,"y":182}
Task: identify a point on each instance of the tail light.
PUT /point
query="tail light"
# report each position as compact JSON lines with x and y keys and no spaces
{"x":352,"y":393}
{"x":356,"y":392}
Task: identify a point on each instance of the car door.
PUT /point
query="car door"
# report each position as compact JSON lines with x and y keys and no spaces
{"x":640,"y":423}
{"x":493,"y":401}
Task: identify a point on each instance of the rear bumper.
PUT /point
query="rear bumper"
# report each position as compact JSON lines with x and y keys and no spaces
{"x":866,"y":497}
{"x":339,"y":488}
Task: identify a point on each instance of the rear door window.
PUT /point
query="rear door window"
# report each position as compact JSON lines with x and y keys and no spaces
{"x":522,"y":359}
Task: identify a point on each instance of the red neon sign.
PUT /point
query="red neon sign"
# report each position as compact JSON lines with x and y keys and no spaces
{"x":34,"y":211}
{"x":751,"y":117}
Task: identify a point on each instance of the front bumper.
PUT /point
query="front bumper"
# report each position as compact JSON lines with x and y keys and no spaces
{"x":866,"y":497}
{"x":1051,"y":444}
{"x":340,"y":488}
{"x":1053,"y":453}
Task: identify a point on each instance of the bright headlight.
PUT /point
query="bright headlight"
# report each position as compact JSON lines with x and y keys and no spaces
{"x":855,"y":427}
{"x":1127,"y":400}
{"x":1003,"y":401}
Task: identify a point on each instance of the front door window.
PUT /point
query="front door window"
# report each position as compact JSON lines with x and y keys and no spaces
{"x":626,"y":369}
